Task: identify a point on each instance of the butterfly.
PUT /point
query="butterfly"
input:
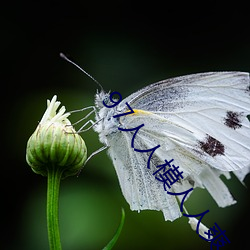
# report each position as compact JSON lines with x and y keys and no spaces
{"x":199,"y":121}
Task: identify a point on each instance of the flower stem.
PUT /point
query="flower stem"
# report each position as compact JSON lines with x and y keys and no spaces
{"x":54,"y":177}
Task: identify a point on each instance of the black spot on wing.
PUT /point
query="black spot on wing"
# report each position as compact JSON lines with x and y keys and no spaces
{"x":212,"y":146}
{"x":233,"y":119}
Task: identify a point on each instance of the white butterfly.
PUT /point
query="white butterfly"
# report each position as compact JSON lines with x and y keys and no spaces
{"x":200,"y":121}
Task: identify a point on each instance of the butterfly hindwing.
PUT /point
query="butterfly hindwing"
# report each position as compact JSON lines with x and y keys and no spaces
{"x":138,"y":184}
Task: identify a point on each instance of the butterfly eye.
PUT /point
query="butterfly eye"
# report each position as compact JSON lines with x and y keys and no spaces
{"x":115,"y":101}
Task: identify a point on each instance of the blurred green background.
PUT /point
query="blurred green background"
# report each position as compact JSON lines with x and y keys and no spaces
{"x":125,"y":46}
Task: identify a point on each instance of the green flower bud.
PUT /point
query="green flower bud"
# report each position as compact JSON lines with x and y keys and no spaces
{"x":55,"y":144}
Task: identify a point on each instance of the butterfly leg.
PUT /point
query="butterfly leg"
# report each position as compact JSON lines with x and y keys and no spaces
{"x":83,"y":129}
{"x":95,"y":152}
{"x":92,"y":154}
{"x":86,"y":116}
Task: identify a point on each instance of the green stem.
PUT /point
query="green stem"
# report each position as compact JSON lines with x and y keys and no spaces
{"x":54,"y":177}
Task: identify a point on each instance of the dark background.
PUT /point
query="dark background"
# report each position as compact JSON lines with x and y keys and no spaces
{"x":125,"y":45}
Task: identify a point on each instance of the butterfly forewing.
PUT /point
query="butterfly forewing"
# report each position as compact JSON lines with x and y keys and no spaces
{"x":211,"y":108}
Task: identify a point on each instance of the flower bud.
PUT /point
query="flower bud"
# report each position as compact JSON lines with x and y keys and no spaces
{"x":55,"y":144}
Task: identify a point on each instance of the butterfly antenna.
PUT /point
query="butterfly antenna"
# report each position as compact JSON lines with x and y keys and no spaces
{"x":86,"y":73}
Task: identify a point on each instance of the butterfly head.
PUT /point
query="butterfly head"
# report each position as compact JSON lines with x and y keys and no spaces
{"x":101,"y":97}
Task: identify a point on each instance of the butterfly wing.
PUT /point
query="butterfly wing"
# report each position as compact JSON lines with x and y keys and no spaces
{"x":199,"y":121}
{"x":177,"y":144}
